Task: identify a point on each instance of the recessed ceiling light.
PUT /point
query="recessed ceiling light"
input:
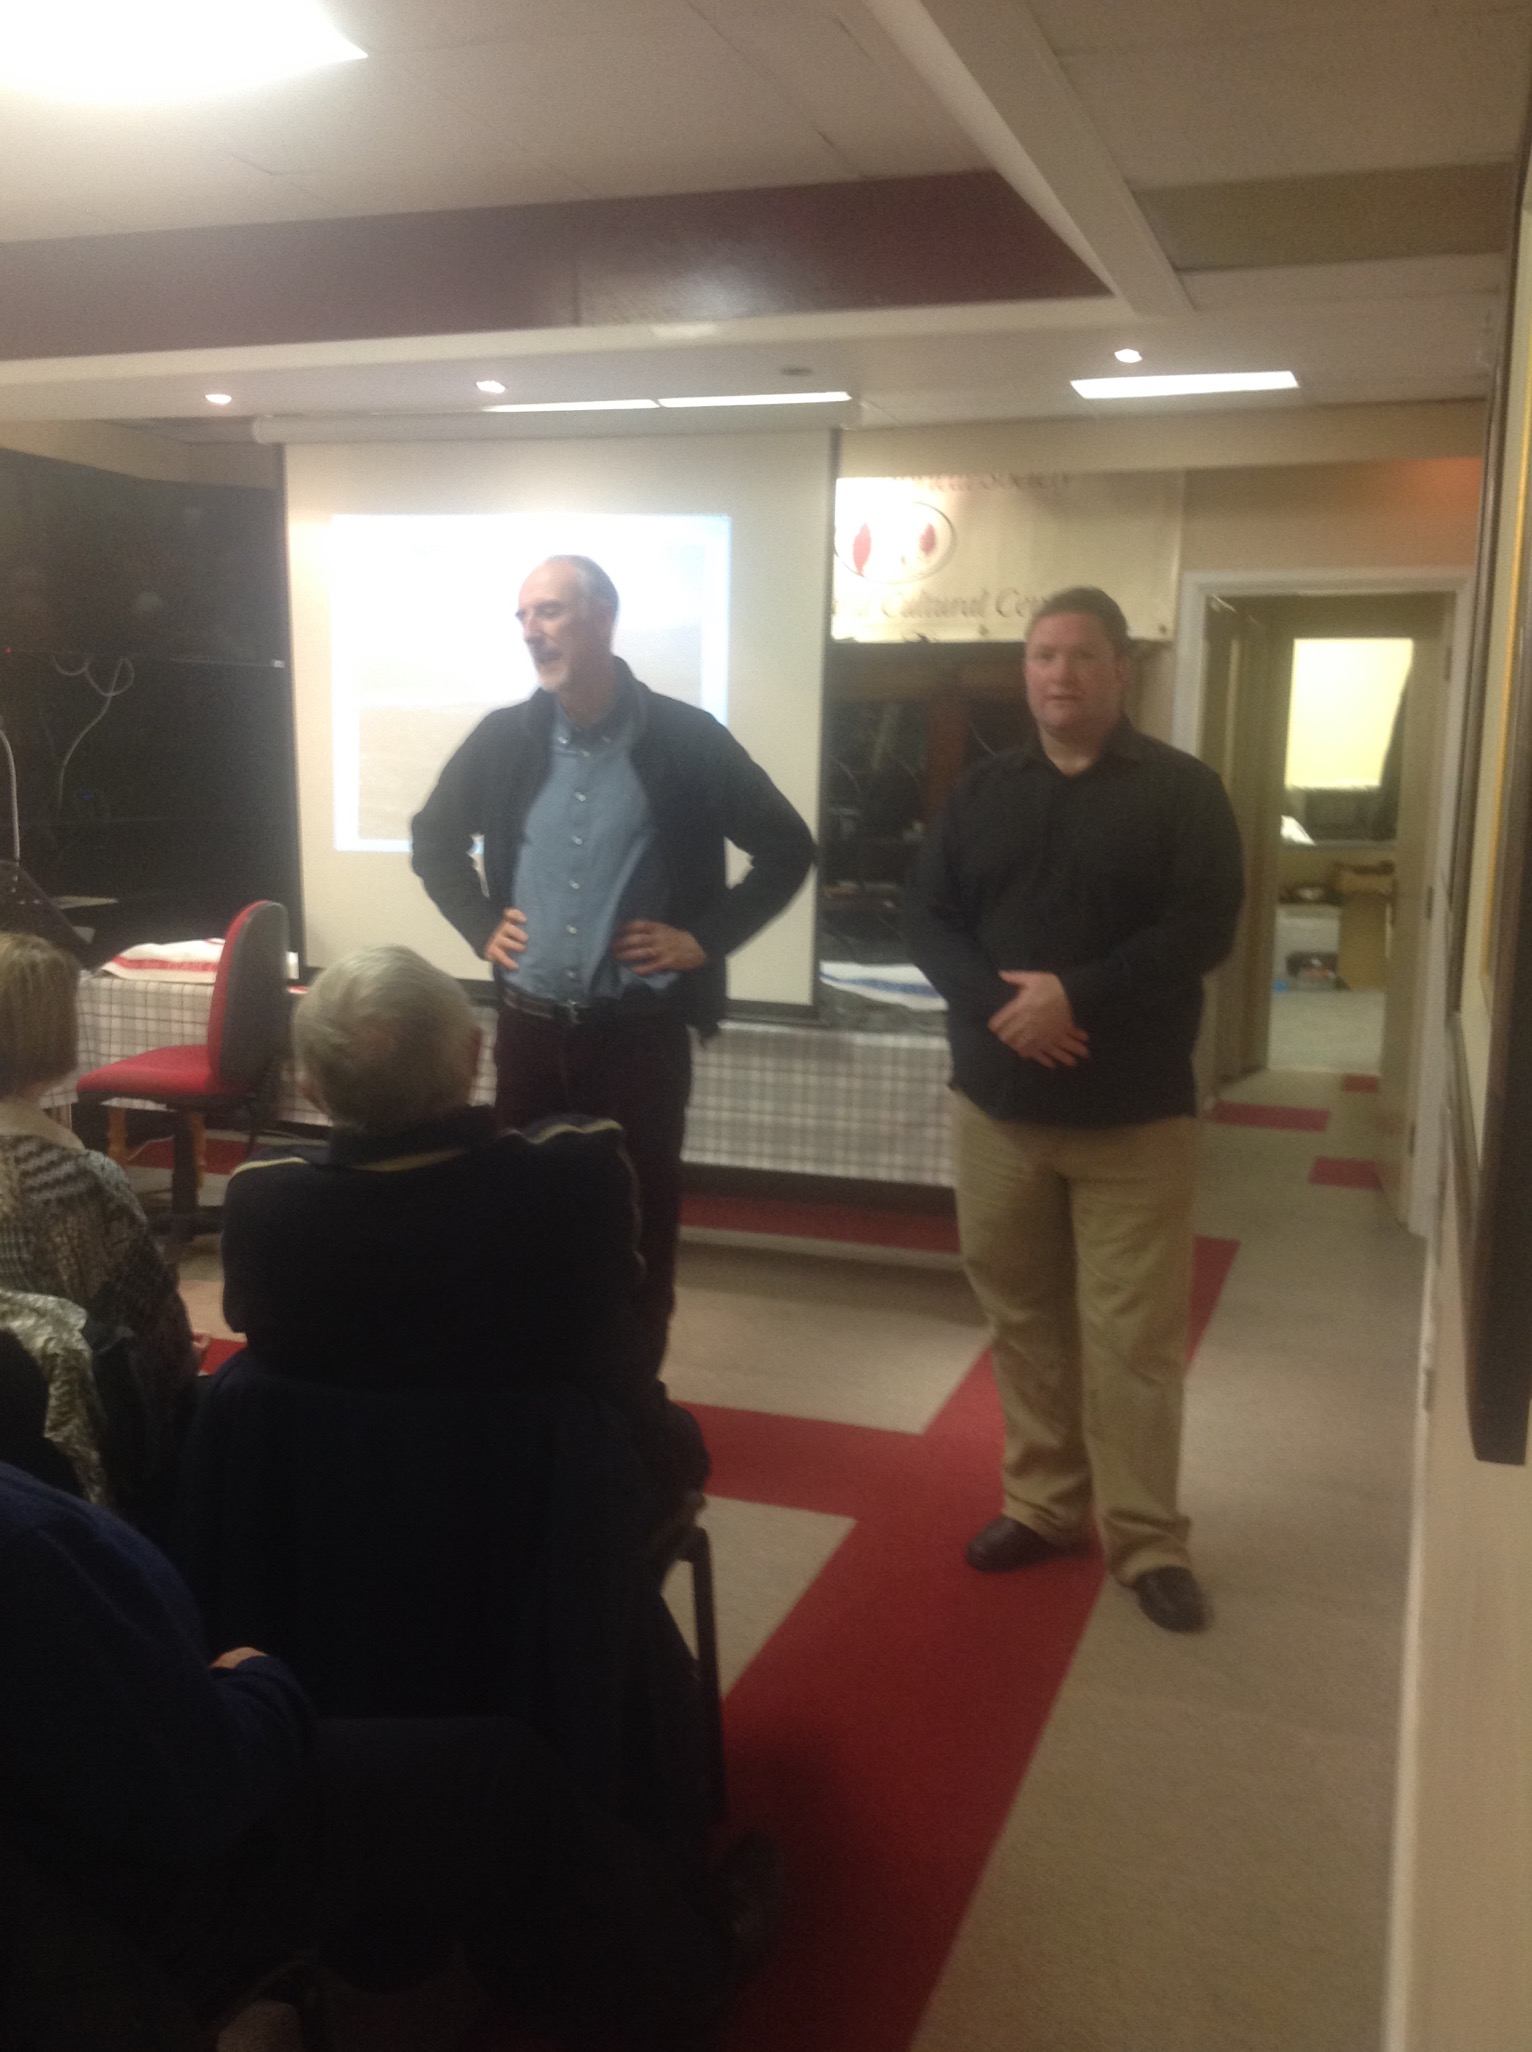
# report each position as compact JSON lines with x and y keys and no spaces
{"x":578,"y":406}
{"x":154,"y":51}
{"x":1178,"y":386}
{"x":1128,"y":355}
{"x":219,"y":398}
{"x":490,"y":385}
{"x":764,"y":399}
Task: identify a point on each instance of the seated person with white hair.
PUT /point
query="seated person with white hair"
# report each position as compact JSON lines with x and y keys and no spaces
{"x":428,"y":1247}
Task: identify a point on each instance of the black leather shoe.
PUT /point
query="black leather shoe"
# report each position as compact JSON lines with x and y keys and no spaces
{"x":1171,"y":1598}
{"x":1006,"y":1543}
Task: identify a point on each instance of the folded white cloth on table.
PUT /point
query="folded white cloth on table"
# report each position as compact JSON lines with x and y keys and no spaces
{"x":191,"y":961}
{"x":888,"y":983}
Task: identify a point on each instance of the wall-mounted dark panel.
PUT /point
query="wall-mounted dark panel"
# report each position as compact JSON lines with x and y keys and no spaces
{"x":933,"y":241}
{"x":145,"y":691}
{"x":106,"y":565}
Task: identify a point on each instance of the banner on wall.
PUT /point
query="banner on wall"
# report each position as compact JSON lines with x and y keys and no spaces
{"x":968,"y":558}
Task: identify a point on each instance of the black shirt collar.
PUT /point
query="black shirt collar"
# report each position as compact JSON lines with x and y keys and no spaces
{"x":473,"y":1126}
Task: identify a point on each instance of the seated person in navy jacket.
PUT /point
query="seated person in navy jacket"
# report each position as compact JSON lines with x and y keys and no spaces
{"x":198,"y":1809}
{"x":427,"y":1247}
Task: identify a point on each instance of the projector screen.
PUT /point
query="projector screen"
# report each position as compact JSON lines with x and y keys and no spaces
{"x":405,"y":564}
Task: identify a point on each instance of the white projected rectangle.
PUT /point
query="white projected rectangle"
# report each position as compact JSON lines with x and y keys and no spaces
{"x":405,"y":562}
{"x":424,"y":639}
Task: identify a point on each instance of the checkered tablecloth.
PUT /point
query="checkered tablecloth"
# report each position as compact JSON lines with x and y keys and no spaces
{"x":810,"y":1101}
{"x":803,"y":1100}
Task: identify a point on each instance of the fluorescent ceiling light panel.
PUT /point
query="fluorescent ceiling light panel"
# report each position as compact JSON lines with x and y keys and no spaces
{"x":150,"y":52}
{"x":1179,"y":386}
{"x":764,"y":399}
{"x":577,"y":406}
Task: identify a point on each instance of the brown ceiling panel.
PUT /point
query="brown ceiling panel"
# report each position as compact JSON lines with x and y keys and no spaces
{"x":960,"y":237}
{"x":1347,"y":217}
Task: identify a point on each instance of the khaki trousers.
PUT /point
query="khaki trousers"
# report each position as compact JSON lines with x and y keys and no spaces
{"x":1078,"y":1244}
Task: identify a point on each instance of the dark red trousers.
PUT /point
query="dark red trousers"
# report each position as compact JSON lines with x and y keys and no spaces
{"x":633,"y":1066}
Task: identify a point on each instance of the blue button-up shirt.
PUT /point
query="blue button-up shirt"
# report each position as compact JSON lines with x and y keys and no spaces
{"x":588,"y":864}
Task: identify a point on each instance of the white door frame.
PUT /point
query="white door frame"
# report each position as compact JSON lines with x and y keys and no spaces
{"x":1197,"y":587}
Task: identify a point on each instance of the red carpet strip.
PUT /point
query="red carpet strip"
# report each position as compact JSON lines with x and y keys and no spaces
{"x":1342,"y":1174}
{"x":1288,"y":1118}
{"x":1360,"y":1082}
{"x":883,"y":1731}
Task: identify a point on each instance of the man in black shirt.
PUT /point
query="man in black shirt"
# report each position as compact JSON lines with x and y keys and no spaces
{"x":1069,"y":901}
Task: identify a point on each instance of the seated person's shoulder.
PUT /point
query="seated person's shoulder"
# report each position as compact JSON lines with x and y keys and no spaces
{"x":268,"y":1176}
{"x":564,"y":1141}
{"x":570,"y":1157}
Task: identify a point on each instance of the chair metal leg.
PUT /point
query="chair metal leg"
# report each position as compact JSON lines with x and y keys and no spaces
{"x":183,"y":1181}
{"x":696,"y":1550}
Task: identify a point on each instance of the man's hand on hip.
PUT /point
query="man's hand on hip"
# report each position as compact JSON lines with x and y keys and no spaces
{"x":508,"y":943}
{"x":649,"y":948}
{"x":1039,"y":1024}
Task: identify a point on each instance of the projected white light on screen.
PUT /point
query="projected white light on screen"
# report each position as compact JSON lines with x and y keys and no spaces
{"x":424,"y":639}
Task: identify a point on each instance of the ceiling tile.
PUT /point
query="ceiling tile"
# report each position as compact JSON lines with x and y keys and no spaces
{"x":837,"y":68}
{"x":1351,"y":94}
{"x":385,"y":186}
{"x":44,"y":221}
{"x":1075,"y":26}
{"x":1394,"y":278}
{"x":133,"y":177}
{"x":376,"y":25}
{"x":672,"y":110}
{"x":326,"y":118}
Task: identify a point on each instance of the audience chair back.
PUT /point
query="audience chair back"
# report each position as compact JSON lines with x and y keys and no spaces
{"x":459,"y":1549}
{"x":247,"y":1023}
{"x":231,"y":1072}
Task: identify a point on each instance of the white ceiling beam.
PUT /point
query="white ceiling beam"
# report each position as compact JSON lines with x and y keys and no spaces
{"x":988,"y":63}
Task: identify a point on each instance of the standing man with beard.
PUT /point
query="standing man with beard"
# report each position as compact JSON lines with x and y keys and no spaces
{"x":1070,"y":899}
{"x":606,"y":910}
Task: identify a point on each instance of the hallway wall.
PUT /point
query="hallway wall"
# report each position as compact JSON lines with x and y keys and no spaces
{"x":1461,"y":1977}
{"x":1399,"y":515}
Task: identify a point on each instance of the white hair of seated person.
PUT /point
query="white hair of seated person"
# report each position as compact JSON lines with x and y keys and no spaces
{"x":384,"y":1041}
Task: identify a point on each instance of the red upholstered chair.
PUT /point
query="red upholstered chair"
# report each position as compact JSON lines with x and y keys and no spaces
{"x":233,"y":1070}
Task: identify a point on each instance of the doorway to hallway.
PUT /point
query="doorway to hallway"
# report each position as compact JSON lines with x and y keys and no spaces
{"x":1325,"y":715}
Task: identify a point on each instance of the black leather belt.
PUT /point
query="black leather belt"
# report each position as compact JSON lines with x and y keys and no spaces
{"x":638,"y":1004}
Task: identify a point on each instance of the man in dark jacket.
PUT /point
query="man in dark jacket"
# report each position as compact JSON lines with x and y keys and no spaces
{"x":605,"y":910}
{"x":1069,"y":901}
